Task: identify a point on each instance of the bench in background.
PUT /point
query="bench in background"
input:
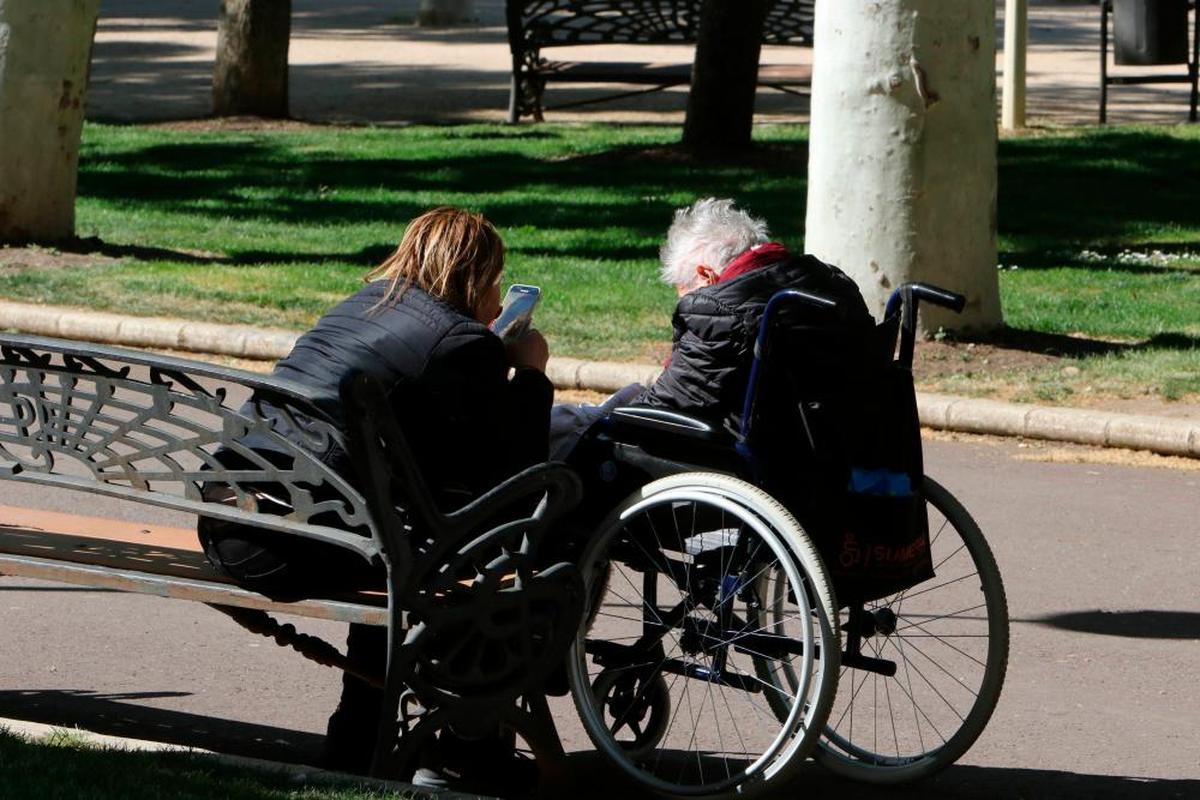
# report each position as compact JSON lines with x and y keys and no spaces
{"x":534,"y":25}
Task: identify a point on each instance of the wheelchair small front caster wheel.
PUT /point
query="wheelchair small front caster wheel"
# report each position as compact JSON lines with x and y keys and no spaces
{"x":636,"y":706}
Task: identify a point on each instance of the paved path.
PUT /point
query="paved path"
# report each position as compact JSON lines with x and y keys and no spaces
{"x":1100,"y":563}
{"x":363,"y":61}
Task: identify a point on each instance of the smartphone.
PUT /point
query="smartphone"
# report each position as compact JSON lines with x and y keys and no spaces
{"x":517,"y":311}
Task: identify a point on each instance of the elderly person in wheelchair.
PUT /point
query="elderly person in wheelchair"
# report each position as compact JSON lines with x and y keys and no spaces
{"x":777,"y":536}
{"x":724,"y":268}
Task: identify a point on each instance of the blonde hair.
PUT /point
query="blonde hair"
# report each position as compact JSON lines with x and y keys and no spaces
{"x":450,"y":253}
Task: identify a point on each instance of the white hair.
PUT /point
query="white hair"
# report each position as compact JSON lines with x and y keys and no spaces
{"x":710,"y":232}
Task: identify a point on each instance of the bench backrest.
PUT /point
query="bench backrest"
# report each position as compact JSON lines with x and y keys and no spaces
{"x":533,"y":24}
{"x":147,"y":428}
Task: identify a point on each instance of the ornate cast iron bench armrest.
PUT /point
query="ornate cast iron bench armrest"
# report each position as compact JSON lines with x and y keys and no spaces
{"x":488,"y":620}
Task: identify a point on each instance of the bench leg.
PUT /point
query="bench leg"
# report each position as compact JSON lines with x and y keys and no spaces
{"x":525,"y":90}
{"x":535,"y":724}
{"x":514,"y":106}
{"x":398,"y":666}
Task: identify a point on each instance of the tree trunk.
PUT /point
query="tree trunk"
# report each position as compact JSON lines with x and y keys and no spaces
{"x":251,"y":75}
{"x":720,"y":108}
{"x":902,"y":158}
{"x":435,"y":13}
{"x":45,"y":50}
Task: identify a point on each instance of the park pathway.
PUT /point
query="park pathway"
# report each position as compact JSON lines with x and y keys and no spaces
{"x":362,"y":61}
{"x":1099,"y":561}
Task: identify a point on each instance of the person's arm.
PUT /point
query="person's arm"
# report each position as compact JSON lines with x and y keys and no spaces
{"x":706,"y":357}
{"x":498,"y":426}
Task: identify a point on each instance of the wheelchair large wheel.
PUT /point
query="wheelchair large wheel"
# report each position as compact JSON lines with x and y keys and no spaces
{"x":947,"y":640}
{"x":663,"y":672}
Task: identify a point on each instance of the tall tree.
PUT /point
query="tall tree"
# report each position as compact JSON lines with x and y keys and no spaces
{"x":251,"y":74}
{"x":435,"y":13}
{"x":720,"y":108}
{"x":45,"y":51}
{"x":902,"y":150}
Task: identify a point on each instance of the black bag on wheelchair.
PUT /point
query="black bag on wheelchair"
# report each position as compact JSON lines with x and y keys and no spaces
{"x":837,"y":439}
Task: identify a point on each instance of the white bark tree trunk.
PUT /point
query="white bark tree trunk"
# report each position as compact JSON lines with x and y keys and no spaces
{"x":902,"y":159}
{"x":45,"y":51}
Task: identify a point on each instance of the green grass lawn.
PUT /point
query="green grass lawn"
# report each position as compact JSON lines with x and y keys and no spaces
{"x":63,"y":765}
{"x":1099,"y":229}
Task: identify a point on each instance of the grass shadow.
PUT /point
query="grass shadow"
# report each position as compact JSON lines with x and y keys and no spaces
{"x":1109,"y":187}
{"x":1058,"y":344}
{"x":257,"y":177}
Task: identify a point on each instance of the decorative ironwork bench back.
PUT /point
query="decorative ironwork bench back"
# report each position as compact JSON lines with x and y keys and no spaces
{"x":534,"y":24}
{"x":537,"y":24}
{"x":147,"y":428}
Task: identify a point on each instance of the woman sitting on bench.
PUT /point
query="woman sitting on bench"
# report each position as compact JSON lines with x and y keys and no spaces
{"x":420,"y":326}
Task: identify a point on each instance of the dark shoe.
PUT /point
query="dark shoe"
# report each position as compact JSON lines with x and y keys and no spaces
{"x":349,"y":745}
{"x":482,"y":766}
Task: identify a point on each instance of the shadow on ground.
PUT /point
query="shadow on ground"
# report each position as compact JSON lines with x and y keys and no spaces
{"x":1062,"y":345}
{"x":1147,"y":624}
{"x":262,"y":178}
{"x":121,"y":715}
{"x":594,"y":780}
{"x":1110,"y":187}
{"x":588,"y":777}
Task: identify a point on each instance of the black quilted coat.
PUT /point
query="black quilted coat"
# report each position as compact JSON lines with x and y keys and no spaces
{"x":447,"y":378}
{"x":715,"y":328}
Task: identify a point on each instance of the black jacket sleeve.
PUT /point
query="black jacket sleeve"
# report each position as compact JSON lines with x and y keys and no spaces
{"x":709,"y":353}
{"x":483,"y":427}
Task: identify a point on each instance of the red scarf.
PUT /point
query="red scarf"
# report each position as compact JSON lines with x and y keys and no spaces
{"x":760,"y":255}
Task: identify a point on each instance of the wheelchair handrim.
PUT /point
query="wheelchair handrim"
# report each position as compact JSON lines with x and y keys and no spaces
{"x":791,"y":734}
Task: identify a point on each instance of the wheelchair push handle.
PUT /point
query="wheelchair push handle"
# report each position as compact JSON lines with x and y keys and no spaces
{"x":907,"y":299}
{"x":799,"y":296}
{"x":910,"y":294}
{"x":940,"y":297}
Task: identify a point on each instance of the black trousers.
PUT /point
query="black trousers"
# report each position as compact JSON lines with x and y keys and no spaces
{"x":351,"y":733}
{"x":570,"y":422}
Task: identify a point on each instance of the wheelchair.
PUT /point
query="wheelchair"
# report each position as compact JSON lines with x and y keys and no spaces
{"x":727,"y":635}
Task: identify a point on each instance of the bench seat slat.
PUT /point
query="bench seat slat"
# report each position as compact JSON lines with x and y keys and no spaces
{"x":164,"y":553}
{"x":615,"y":72}
{"x":666,"y":74}
{"x":184,"y":589}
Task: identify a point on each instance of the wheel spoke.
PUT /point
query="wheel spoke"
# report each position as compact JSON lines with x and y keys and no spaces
{"x":726,"y":687}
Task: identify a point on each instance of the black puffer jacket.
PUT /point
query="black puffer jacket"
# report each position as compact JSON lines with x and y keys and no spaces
{"x":447,"y":377}
{"x":715,"y":328}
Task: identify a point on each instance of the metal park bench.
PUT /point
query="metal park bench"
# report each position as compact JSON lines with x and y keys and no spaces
{"x":534,"y":25}
{"x":476,"y":622}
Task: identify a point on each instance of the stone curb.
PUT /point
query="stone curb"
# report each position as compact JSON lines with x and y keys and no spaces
{"x":1175,"y":437}
{"x":1083,"y":426}
{"x":298,"y":773}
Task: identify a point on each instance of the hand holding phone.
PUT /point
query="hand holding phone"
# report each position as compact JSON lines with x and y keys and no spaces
{"x":517,"y":311}
{"x":529,"y":350}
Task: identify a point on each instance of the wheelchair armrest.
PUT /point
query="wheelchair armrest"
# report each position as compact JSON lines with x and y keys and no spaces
{"x":634,"y":421}
{"x":558,"y":482}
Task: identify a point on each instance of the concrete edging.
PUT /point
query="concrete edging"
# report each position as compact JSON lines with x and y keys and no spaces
{"x":970,"y":415}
